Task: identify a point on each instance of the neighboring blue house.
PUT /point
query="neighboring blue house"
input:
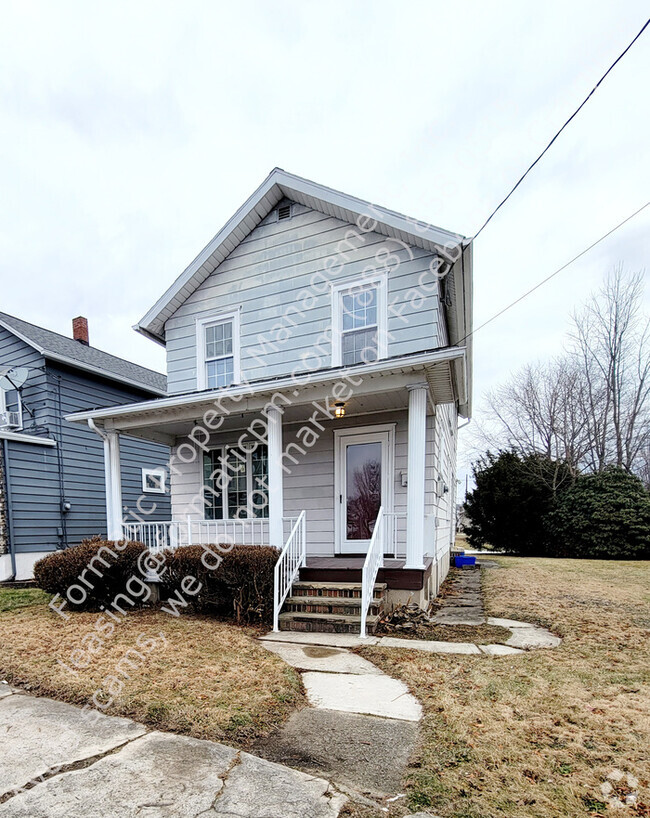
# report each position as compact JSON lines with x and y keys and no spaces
{"x":52,"y":477}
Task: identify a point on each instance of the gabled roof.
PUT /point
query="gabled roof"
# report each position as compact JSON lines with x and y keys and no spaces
{"x":68,"y":351}
{"x":279,"y":185}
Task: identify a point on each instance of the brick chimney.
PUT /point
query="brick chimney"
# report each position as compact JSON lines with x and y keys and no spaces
{"x":80,"y":330}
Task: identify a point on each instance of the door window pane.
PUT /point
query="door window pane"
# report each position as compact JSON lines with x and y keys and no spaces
{"x":363,"y":488}
{"x":212,"y":493}
{"x":259,"y":499}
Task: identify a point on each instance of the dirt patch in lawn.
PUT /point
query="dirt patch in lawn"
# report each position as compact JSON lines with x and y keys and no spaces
{"x":537,"y":735}
{"x":478,"y":634}
{"x":203,"y":677}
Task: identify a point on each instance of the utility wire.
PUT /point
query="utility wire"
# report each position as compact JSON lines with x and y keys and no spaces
{"x":573,"y":116}
{"x":552,"y":275}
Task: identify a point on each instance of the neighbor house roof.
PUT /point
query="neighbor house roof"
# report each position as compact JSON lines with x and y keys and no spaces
{"x":279,"y":185}
{"x":73,"y":353}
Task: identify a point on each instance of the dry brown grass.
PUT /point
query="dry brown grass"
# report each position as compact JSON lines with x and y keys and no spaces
{"x":533,"y":736}
{"x":206,"y":678}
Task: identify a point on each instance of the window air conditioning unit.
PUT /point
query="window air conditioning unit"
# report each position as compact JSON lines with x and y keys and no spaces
{"x":9,"y":420}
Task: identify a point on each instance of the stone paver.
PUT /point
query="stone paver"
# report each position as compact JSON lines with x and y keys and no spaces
{"x":319,"y":657}
{"x":335,"y":640}
{"x":499,"y":650}
{"x":531,"y":638}
{"x":257,"y":788}
{"x":38,"y":735}
{"x":365,"y":694}
{"x":342,"y":746}
{"x":508,"y":623}
{"x":429,"y":645}
{"x":163,"y":776}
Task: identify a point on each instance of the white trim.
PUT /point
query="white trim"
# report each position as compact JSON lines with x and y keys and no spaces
{"x":279,"y":185}
{"x":250,"y":488}
{"x":157,"y":472}
{"x":18,"y":437}
{"x":3,"y":407}
{"x":382,"y":432}
{"x":339,"y":288}
{"x":407,"y":362}
{"x":201,"y":325}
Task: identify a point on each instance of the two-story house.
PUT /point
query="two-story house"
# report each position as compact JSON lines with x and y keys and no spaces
{"x":52,"y":477}
{"x":319,"y":358}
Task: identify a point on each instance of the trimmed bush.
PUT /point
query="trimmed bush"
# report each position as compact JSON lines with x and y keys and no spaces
{"x":92,"y":574}
{"x":241,"y":587}
{"x":603,"y":516}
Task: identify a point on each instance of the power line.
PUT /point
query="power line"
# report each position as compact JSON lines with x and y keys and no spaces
{"x":573,"y":116}
{"x":552,"y":275}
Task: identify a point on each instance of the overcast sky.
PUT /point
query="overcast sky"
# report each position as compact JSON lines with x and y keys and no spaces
{"x":130,"y":132}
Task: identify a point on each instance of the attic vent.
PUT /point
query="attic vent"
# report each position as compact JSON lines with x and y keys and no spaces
{"x":284,"y":212}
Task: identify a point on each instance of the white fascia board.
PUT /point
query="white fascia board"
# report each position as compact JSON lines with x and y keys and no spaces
{"x":277,"y":185}
{"x":20,"y":438}
{"x":22,"y":337}
{"x":271,"y":386}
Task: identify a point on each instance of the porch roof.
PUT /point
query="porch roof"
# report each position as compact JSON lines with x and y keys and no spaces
{"x":165,"y":419}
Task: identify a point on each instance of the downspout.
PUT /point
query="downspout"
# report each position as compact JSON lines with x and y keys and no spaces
{"x":10,"y":518}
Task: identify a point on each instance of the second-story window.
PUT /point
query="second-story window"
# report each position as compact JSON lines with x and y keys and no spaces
{"x":359,"y":321}
{"x":218,"y":351}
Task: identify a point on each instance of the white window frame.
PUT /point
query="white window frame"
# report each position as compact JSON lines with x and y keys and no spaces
{"x":340,"y":288}
{"x":3,"y":408}
{"x":250,"y":487}
{"x":157,"y":472}
{"x":201,"y":362}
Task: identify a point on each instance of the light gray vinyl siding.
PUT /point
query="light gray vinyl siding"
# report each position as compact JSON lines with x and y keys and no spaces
{"x":276,"y":269}
{"x":310,"y":484}
{"x":14,"y":353}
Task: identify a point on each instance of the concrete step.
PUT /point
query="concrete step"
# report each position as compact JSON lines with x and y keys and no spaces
{"x":325,"y":623}
{"x":331,"y":590}
{"x":344,"y":606}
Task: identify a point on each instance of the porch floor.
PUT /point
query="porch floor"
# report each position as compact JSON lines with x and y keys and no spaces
{"x":349,"y":569}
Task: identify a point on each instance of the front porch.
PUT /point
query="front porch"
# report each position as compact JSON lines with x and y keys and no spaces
{"x":349,"y":473}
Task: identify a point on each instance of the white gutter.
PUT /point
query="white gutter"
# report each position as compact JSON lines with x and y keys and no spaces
{"x":259,"y":388}
{"x":20,"y":438}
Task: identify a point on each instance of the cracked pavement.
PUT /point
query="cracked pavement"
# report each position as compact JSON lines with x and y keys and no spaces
{"x":55,"y":764}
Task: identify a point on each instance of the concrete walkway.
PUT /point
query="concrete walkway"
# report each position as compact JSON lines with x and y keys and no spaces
{"x":57,"y":765}
{"x":355,"y":709}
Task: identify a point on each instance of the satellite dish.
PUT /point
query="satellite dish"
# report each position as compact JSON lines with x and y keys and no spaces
{"x":13,"y":378}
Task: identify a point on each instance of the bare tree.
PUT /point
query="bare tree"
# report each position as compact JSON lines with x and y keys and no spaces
{"x":590,"y":407}
{"x":610,"y":343}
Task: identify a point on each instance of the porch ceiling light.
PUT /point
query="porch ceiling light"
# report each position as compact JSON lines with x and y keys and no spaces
{"x":339,"y":409}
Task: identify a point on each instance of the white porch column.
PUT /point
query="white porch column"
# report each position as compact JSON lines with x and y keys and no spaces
{"x":113,"y":485}
{"x":417,"y":429}
{"x":276,"y":494}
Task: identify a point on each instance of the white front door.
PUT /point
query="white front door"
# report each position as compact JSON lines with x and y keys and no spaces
{"x":363,"y":482}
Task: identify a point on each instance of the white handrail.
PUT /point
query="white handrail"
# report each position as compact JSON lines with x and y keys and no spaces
{"x":374,"y":561}
{"x":292,"y":558}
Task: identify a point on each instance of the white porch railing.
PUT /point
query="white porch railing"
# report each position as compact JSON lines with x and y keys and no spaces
{"x":175,"y":533}
{"x":395,"y":522}
{"x":374,"y":561}
{"x":291,"y":560}
{"x":156,"y":536}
